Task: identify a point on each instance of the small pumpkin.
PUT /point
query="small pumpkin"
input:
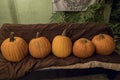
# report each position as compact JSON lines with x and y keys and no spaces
{"x":14,"y":49}
{"x":62,"y":45}
{"x":39,"y":47}
{"x":83,"y":48}
{"x":104,"y":44}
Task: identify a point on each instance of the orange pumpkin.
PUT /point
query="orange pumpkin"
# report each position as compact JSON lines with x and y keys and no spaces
{"x":14,"y":48}
{"x":104,"y":44}
{"x":62,"y":45}
{"x":83,"y":48}
{"x":39,"y":47}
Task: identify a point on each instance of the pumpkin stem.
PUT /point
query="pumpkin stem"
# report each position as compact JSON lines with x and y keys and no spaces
{"x":64,"y":32}
{"x":101,"y":36}
{"x":37,"y":34}
{"x":84,"y":41}
{"x":12,"y":37}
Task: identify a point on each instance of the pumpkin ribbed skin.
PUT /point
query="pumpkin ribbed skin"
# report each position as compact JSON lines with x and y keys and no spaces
{"x":61,"y":46}
{"x":14,"y":51}
{"x":39,"y":47}
{"x":104,"y":44}
{"x":83,"y":48}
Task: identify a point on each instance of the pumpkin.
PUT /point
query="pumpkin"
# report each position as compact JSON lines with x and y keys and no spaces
{"x":104,"y":44}
{"x":39,"y":47}
{"x":62,"y":45}
{"x":14,"y":49}
{"x":83,"y":48}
